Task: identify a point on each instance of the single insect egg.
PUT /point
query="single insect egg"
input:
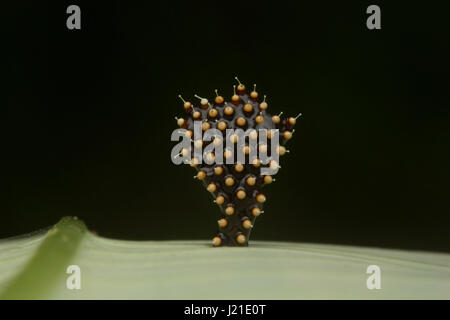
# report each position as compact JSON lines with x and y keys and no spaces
{"x":213,"y":113}
{"x":263,"y":105}
{"x":256,"y":212}
{"x":240,"y":239}
{"x":259,"y":119}
{"x":201,"y":175}
{"x":235,"y":98}
{"x":248,"y":107}
{"x":210,"y":157}
{"x":218,"y":170}
{"x":205,"y":126}
{"x":196,"y":115}
{"x":241,"y":194}
{"x":198,"y":144}
{"x":262,"y":148}
{"x":194,"y":162}
{"x":228,"y":154}
{"x":287,"y":135}
{"x":234,"y":138}
{"x":218,"y":99}
{"x":268,"y":179}
{"x":270,"y":133}
{"x":229,"y":210}
{"x":274,"y":165}
{"x":241,"y":121}
{"x":293,"y":120}
{"x":222,"y":223}
{"x":203,"y":102}
{"x":254,"y":94}
{"x":217,"y":141}
{"x":228,"y":111}
{"x":216,"y":241}
{"x":247,"y":224}
{"x":220,"y":200}
{"x":251,"y":181}
{"x":281,"y":150}
{"x":184,"y":152}
{"x":260,"y":198}
{"x":186,"y":104}
{"x":229,"y":181}
{"x":221,"y":125}
{"x":256,"y":162}
{"x":181,"y":122}
{"x":240,"y":87}
{"x":211,"y":187}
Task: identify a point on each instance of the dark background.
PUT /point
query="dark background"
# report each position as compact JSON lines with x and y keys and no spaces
{"x":88,"y":116}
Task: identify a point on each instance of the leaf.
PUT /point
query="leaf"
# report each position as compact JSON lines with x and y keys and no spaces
{"x":34,"y":267}
{"x":43,"y":272}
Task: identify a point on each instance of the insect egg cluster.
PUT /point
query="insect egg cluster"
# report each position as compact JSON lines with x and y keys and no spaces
{"x":237,"y":188}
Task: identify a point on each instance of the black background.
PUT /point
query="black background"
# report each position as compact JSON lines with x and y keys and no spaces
{"x":88,"y":116}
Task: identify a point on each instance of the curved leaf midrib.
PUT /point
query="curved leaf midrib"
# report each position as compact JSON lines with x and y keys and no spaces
{"x":48,"y":263}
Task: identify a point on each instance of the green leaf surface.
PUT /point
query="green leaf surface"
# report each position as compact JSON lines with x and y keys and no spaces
{"x":34,"y":267}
